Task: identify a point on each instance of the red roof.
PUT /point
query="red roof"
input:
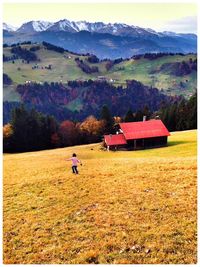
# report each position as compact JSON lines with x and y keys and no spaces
{"x":115,"y":139}
{"x":144,"y":129}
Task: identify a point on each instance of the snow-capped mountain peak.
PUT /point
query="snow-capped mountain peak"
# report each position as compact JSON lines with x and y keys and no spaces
{"x":40,"y":26}
{"x":82,"y":26}
{"x":35,"y":26}
{"x":72,"y":26}
{"x":9,"y":27}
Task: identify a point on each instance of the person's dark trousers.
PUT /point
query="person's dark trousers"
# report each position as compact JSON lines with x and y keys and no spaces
{"x":74,"y":169}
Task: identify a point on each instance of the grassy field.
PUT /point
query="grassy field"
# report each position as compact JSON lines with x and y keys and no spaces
{"x":124,"y":207}
{"x":141,"y":70}
{"x":64,"y":69}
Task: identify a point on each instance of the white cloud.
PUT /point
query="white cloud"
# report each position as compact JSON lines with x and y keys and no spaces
{"x":183,"y":25}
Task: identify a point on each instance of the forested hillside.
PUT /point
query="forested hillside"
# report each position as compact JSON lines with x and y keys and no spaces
{"x":171,"y":73}
{"x":66,"y":86}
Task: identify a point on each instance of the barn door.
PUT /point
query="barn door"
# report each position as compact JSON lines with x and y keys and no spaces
{"x":135,"y":144}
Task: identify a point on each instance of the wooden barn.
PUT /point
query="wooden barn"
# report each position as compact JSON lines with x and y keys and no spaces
{"x":138,"y":135}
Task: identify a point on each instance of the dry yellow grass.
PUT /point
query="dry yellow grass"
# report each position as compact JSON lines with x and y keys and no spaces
{"x":123,"y":207}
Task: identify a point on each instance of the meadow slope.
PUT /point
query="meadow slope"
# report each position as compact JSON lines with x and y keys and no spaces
{"x":123,"y":207}
{"x":64,"y":68}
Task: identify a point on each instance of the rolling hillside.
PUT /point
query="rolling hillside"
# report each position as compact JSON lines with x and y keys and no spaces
{"x":136,"y":207}
{"x":64,"y":68}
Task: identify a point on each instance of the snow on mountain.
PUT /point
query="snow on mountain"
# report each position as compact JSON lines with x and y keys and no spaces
{"x":9,"y":27}
{"x":35,"y":26}
{"x":63,"y":25}
{"x":72,"y":26}
{"x":40,"y":26}
{"x":84,"y":26}
{"x":119,"y":29}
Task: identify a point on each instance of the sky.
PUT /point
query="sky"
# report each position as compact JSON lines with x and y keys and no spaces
{"x":177,"y":17}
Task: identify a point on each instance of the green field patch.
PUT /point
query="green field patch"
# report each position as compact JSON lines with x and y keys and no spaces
{"x":75,"y":105}
{"x":10,"y":94}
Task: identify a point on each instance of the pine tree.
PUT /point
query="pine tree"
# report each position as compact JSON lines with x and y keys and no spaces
{"x":172,"y":117}
{"x":164,"y":115}
{"x":31,"y":130}
{"x":129,"y":116}
{"x":107,"y":118}
{"x":182,"y":116}
{"x":139,"y":115}
{"x":19,"y":123}
{"x":146,"y":112}
{"x":192,"y":115}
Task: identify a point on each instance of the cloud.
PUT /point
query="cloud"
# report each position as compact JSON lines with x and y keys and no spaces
{"x":183,"y":25}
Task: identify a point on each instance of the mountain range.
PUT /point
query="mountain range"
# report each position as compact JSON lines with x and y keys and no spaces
{"x":105,"y":40}
{"x":119,"y":29}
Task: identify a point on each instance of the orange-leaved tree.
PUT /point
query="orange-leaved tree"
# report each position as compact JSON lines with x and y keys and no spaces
{"x":7,"y":135}
{"x":92,"y":128}
{"x":68,"y":133}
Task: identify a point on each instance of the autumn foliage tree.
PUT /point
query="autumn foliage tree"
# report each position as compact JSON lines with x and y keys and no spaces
{"x":92,"y":129}
{"x":55,"y":140}
{"x":68,"y":133}
{"x":7,"y":133}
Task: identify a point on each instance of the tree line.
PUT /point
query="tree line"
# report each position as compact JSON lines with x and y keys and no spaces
{"x":180,"y":115}
{"x":29,"y":130}
{"x":153,"y":56}
{"x":53,"y":47}
{"x":17,"y":44}
{"x":54,"y":98}
{"x":85,"y":67}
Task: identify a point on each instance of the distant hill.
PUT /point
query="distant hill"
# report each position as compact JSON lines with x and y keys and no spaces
{"x":104,"y":40}
{"x":160,"y":72}
{"x":69,"y":85}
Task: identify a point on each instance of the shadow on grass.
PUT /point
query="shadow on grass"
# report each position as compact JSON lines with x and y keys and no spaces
{"x":175,"y":143}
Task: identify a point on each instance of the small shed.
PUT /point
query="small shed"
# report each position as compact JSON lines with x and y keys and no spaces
{"x":115,"y":141}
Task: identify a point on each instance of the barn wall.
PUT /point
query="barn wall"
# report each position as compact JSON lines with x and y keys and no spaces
{"x":147,"y":143}
{"x":155,"y":142}
{"x":118,"y":147}
{"x":140,"y":144}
